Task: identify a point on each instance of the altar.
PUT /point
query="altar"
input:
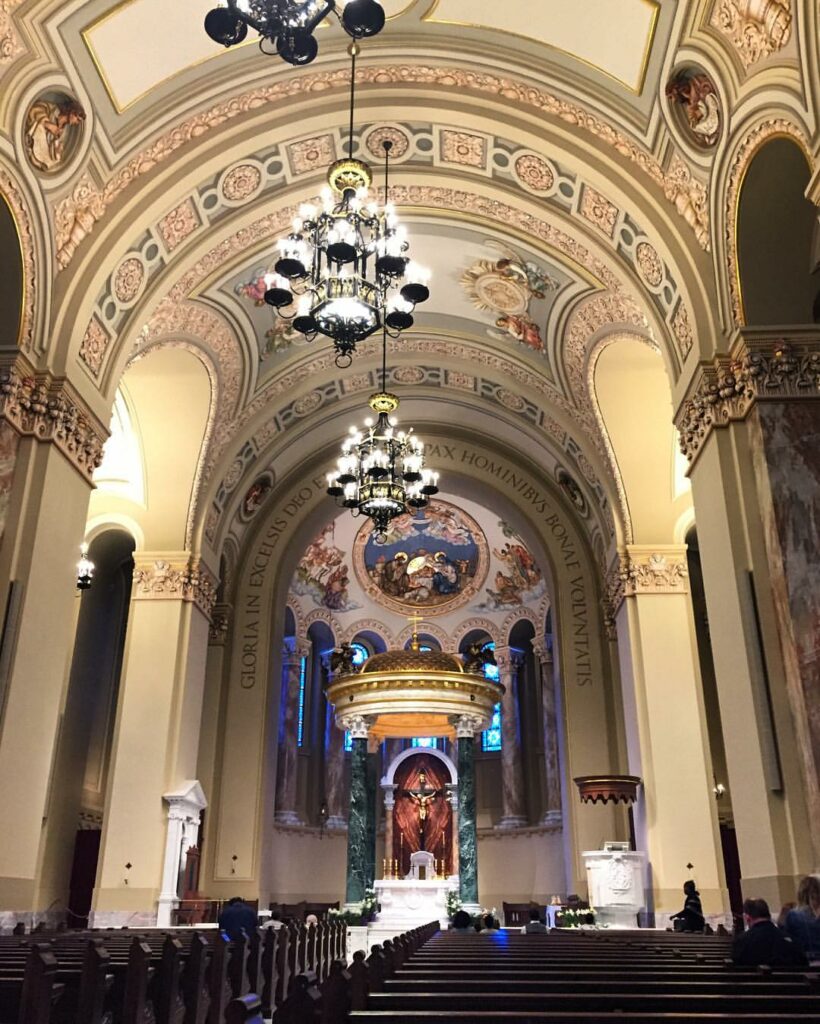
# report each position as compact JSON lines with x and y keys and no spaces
{"x":417,"y":899}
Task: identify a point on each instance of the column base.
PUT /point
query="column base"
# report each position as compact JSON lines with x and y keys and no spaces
{"x":512,"y":821}
{"x":166,"y":905}
{"x":553,"y":818}
{"x":336,"y":824}
{"x":287,"y":818}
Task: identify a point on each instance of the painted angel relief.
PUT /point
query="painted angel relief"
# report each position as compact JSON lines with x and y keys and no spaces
{"x":693,"y":95}
{"x":435,"y":559}
{"x":280,"y":336}
{"x":507,"y":288}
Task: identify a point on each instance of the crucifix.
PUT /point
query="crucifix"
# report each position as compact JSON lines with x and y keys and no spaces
{"x":423,"y":796}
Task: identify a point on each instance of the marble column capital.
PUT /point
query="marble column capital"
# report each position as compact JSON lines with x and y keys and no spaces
{"x":50,"y":410}
{"x":358,"y":726}
{"x":389,"y":791}
{"x":507,"y":658}
{"x":761,"y":366}
{"x":645,"y":569}
{"x":541,"y":650}
{"x":467,"y":726}
{"x":174,"y":576}
{"x":294,"y":649}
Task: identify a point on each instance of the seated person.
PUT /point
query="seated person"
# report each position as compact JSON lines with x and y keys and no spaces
{"x":237,"y":917}
{"x":274,"y":921}
{"x":762,"y":942}
{"x":311,"y":921}
{"x":535,"y":924}
{"x":691,"y":918}
{"x":462,"y":922}
{"x":489,"y":923}
{"x":802,"y":924}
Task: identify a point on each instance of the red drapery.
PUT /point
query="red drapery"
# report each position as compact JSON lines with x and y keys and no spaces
{"x":439,"y":824}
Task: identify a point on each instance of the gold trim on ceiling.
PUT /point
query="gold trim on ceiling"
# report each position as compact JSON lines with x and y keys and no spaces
{"x":85,"y":33}
{"x":655,"y":6}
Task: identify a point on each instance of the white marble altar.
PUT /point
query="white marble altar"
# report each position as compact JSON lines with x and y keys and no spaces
{"x":616,"y":885}
{"x":408,"y":902}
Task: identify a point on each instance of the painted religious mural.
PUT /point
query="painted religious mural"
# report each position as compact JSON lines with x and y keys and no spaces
{"x":323,"y":575}
{"x":513,"y":290}
{"x":517,"y":579}
{"x":451,"y":562}
{"x":433,"y":560}
{"x":277,"y":334}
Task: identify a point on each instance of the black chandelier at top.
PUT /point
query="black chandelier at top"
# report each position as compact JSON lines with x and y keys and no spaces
{"x":381,"y":472}
{"x":343,"y":270}
{"x":286,"y":27}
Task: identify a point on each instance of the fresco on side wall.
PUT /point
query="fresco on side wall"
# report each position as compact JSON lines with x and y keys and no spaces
{"x":323,"y":575}
{"x":515,"y":578}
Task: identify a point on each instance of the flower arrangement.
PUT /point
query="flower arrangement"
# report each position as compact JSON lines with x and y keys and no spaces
{"x":574,"y":918}
{"x":368,"y":909}
{"x":454,"y":903}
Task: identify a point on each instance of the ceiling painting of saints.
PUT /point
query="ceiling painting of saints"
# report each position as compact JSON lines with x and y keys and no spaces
{"x":435,"y":559}
{"x":323,"y":574}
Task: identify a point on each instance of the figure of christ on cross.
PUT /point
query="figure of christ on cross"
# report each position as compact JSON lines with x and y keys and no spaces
{"x":423,"y":796}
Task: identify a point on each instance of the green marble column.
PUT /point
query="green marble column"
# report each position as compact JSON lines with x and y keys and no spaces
{"x":357,"y":824}
{"x":372,"y":787}
{"x":467,"y":838}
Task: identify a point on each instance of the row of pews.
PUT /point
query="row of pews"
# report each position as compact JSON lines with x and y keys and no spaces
{"x":185,"y":976}
{"x":587,"y":977}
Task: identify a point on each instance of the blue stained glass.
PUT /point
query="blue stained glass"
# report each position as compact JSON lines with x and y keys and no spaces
{"x":360,"y":654}
{"x":491,"y":671}
{"x":348,"y":742}
{"x":428,"y":742}
{"x":300,"y":729}
{"x":491,"y":738}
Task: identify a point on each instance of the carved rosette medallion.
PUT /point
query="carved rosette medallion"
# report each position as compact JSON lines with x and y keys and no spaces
{"x":649,"y":264}
{"x":534,"y":173}
{"x":241,"y":182}
{"x":375,"y":139}
{"x":94,"y":346}
{"x":129,"y":278}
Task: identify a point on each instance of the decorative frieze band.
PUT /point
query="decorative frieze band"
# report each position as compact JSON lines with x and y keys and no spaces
{"x":645,"y":570}
{"x":183,"y":579}
{"x":48,"y":408}
{"x":759,"y":368}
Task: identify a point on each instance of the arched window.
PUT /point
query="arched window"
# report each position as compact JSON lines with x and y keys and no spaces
{"x":491,"y":738}
{"x":300,"y":728}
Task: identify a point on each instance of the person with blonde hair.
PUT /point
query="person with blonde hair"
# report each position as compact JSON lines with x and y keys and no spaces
{"x":803,"y":923}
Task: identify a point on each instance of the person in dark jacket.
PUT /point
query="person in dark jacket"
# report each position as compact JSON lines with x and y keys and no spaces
{"x":237,"y":917}
{"x":763,"y":942}
{"x":802,"y":923}
{"x":691,"y":917}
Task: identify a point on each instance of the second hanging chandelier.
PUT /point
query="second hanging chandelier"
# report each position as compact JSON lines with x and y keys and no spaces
{"x":343,"y":271}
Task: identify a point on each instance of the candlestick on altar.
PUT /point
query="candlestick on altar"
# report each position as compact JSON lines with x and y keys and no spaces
{"x":384,"y":868}
{"x":395,"y":869}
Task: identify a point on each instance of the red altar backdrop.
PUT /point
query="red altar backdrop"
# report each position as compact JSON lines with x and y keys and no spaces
{"x":439,"y":824}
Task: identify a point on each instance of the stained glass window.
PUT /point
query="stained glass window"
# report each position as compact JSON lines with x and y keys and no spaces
{"x":360,"y":656}
{"x":300,"y":729}
{"x":491,"y":738}
{"x":428,"y":742}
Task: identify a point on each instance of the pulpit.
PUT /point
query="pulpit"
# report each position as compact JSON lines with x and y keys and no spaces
{"x":615,"y":876}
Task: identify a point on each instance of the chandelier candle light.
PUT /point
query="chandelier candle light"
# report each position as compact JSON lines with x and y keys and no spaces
{"x":286,"y":27}
{"x":85,"y":569}
{"x":340,"y":270}
{"x":381,"y":472}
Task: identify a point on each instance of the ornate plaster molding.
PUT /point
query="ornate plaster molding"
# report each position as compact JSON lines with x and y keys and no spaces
{"x":654,"y":570}
{"x":747,"y":149}
{"x":642,"y":569}
{"x":367,"y":626}
{"x":755,"y":28}
{"x":22,"y":218}
{"x":758,"y":369}
{"x":487,"y":625}
{"x":431,"y":629}
{"x":76,"y":215}
{"x":467,"y":726}
{"x":185,"y":578}
{"x":220,"y":624}
{"x":47,"y":408}
{"x":10,"y":45}
{"x":358,"y":726}
{"x":508,"y":659}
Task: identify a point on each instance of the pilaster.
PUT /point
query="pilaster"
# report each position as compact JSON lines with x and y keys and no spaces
{"x":357,"y":820}
{"x":286,"y":777}
{"x":466,"y":728}
{"x":553,"y":814}
{"x":512,"y":765}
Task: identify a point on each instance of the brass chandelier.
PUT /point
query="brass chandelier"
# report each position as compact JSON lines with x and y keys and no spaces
{"x":286,"y":27}
{"x":381,"y":472}
{"x":343,"y":271}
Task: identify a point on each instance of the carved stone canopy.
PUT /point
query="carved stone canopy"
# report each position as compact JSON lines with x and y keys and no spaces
{"x":608,"y":788}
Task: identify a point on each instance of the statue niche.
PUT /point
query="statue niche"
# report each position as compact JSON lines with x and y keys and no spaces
{"x":422,"y":814}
